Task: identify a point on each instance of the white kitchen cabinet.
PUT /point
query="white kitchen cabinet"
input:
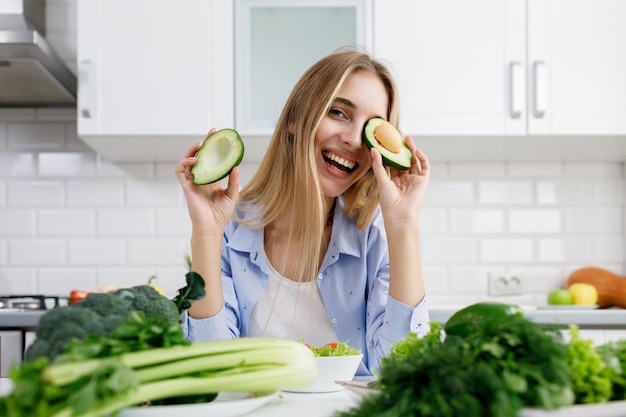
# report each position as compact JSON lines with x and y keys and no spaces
{"x":154,"y":75}
{"x":506,"y":67}
{"x":277,"y":41}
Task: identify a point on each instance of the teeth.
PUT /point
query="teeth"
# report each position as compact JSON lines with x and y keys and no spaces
{"x":339,"y":160}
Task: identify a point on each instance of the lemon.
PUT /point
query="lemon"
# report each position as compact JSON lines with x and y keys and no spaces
{"x":584,"y":294}
{"x":156,"y":287}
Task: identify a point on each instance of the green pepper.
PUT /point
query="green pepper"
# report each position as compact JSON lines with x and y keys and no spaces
{"x":468,"y":318}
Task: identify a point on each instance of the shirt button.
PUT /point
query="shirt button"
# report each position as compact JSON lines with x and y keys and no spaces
{"x":333,"y":320}
{"x":320,"y":276}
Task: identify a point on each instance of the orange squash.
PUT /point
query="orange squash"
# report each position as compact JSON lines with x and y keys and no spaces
{"x":611,"y":286}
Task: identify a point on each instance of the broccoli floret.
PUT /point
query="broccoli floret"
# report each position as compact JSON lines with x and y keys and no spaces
{"x":145,"y":299}
{"x":60,"y":325}
{"x":111,"y":309}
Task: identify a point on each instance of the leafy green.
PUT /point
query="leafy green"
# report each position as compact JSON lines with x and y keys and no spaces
{"x":613,"y":354}
{"x":590,"y":375}
{"x":194,"y":290}
{"x":493,"y":366}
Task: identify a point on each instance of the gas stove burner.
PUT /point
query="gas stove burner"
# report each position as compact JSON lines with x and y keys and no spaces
{"x":28,"y":302}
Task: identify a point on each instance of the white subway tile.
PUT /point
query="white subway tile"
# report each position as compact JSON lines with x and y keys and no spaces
{"x":171,"y":279}
{"x":565,"y":192}
{"x":95,"y":193}
{"x":165,"y":170}
{"x":67,"y":164}
{"x":436,"y":280}
{"x":127,"y":276}
{"x":73,"y":143}
{"x":3,"y":252}
{"x":438,"y":171}
{"x":609,"y":192}
{"x":152,"y":193}
{"x":108,"y":169}
{"x":505,"y":192}
{"x":17,"y":222}
{"x":125,"y":222}
{"x":593,"y":170}
{"x":17,"y":165}
{"x":61,"y":281}
{"x":101,"y":251}
{"x":35,"y":194}
{"x":506,"y":250}
{"x":448,"y":251}
{"x":609,"y":249}
{"x":469,"y":280}
{"x":522,"y":169}
{"x":476,"y":221}
{"x":452,"y":192}
{"x":18,"y":281}
{"x":589,"y":220}
{"x":541,"y":280}
{"x":174,"y":222}
{"x":477,"y":170}
{"x":155,"y":251}
{"x":3,"y":193}
{"x":35,"y":136}
{"x":66,"y":223}
{"x":37,"y":252}
{"x":565,"y":249}
{"x":535,"y":221}
{"x":433,"y":221}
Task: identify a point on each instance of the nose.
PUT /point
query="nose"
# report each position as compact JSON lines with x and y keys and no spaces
{"x":353,"y":136}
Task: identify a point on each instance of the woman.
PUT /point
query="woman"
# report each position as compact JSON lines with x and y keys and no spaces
{"x":323,"y":244}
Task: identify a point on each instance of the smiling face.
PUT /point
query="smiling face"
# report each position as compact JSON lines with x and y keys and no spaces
{"x":341,"y":156}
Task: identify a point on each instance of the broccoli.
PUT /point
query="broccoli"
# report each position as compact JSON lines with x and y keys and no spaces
{"x":60,"y":325}
{"x":99,"y":314}
{"x":147,"y":300}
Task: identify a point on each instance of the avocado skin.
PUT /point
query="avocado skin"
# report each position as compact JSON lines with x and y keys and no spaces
{"x":401,"y":161}
{"x":236,"y":153}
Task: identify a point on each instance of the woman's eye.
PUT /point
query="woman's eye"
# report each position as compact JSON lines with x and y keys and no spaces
{"x":336,"y":112}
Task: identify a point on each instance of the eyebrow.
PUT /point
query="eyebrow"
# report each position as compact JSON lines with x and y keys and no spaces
{"x":350,"y":104}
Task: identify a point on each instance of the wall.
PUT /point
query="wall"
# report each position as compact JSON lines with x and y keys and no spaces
{"x":69,"y":219}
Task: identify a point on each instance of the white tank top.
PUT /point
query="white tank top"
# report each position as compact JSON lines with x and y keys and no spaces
{"x":290,"y":310}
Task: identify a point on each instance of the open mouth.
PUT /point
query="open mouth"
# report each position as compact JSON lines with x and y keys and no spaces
{"x":339,"y":163}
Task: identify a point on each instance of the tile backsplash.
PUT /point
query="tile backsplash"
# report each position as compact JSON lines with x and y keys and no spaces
{"x":69,"y":219}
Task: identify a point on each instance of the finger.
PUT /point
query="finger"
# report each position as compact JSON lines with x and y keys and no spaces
{"x":233,"y":183}
{"x":424,"y":162}
{"x":377,"y":166}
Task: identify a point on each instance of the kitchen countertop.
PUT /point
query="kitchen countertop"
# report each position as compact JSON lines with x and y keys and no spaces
{"x":609,"y":318}
{"x":583,"y":317}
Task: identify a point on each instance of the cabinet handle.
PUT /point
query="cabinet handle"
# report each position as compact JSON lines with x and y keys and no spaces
{"x":541,"y":89}
{"x":516,"y":92}
{"x":85,"y":88}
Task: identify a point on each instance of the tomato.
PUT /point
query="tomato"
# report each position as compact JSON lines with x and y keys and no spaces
{"x":77,"y":295}
{"x":331,"y":345}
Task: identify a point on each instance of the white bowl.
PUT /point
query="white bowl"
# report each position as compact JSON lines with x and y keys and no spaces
{"x":331,"y":369}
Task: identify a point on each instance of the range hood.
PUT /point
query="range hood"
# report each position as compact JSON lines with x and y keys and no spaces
{"x":31,"y":74}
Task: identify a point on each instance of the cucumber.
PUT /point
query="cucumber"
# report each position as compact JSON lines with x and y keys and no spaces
{"x":219,"y":154}
{"x":465,"y":320}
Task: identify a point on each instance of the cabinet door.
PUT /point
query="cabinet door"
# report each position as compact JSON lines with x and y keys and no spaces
{"x":154,"y":67}
{"x":277,"y":40}
{"x":459,"y":64}
{"x":577,"y":66}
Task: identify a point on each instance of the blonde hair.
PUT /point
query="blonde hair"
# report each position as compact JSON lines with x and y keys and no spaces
{"x":286,"y":184}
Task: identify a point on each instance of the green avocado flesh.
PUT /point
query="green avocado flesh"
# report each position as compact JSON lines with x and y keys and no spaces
{"x":401,"y":160}
{"x":219,"y":154}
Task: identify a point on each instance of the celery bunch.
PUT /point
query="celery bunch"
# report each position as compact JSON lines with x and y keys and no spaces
{"x":103,"y":386}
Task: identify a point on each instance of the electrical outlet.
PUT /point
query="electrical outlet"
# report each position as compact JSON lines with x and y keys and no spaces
{"x":506,"y":283}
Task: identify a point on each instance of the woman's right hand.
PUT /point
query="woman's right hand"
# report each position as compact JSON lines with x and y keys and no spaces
{"x":210,"y":206}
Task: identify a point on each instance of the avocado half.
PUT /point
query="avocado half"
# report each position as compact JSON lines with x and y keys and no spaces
{"x":219,"y":154}
{"x":399,"y":158}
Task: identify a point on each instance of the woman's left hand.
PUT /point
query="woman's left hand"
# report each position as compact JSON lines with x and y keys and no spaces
{"x":402,"y":194}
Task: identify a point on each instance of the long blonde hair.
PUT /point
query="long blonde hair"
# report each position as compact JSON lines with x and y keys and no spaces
{"x":286,"y":183}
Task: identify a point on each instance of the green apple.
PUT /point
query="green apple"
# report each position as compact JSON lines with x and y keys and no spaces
{"x":562,"y":296}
